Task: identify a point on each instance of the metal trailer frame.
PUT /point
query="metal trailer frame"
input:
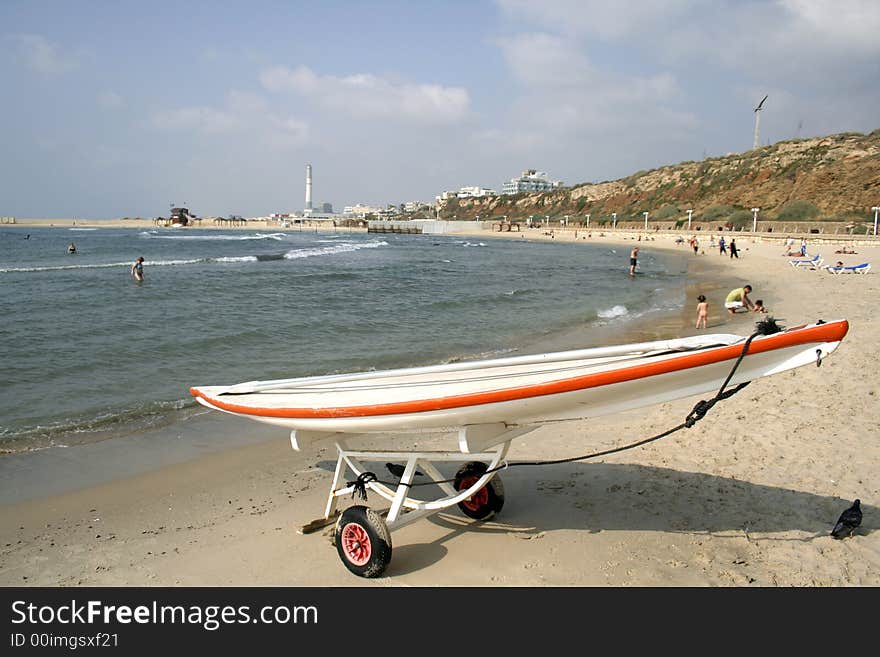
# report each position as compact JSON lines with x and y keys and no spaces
{"x":362,"y":536}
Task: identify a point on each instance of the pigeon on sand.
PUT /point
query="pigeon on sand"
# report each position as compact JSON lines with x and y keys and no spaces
{"x":848,"y":521}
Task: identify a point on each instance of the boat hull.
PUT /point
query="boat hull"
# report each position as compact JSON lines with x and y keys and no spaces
{"x":566,"y":386}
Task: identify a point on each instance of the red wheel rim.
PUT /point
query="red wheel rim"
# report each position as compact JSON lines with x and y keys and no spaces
{"x":478,"y":500}
{"x":356,"y":544}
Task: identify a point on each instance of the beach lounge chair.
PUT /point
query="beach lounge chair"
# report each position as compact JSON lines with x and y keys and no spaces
{"x":813,"y":263}
{"x":863,"y":268}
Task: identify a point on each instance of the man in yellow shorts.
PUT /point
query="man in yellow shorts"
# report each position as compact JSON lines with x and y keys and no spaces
{"x":739,"y":298}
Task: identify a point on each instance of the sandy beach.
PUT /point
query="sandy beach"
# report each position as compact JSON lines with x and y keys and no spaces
{"x":747,"y":497}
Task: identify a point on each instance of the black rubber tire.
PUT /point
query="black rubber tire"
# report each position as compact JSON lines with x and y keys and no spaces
{"x":363,"y":541}
{"x":486,"y":502}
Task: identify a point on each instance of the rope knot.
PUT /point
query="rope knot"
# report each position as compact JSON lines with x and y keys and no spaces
{"x":360,"y":485}
{"x":699,"y":412}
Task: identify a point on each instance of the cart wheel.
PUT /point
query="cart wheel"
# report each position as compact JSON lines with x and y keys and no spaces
{"x":487,"y":501}
{"x":363,"y":541}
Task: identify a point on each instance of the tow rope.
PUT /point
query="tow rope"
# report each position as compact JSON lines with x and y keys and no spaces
{"x":698,"y":412}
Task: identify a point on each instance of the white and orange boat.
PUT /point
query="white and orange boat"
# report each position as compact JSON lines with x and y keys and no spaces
{"x":490,"y":402}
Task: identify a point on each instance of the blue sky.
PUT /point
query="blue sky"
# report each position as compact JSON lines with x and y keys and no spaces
{"x":121,"y":108}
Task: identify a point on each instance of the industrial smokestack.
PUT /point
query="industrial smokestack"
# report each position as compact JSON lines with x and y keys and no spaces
{"x":308,"y":187}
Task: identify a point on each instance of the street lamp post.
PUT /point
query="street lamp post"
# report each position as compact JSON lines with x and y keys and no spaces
{"x":755,"y":219}
{"x":690,"y":212}
{"x":646,"y":220}
{"x":614,"y":220}
{"x":876,"y":209}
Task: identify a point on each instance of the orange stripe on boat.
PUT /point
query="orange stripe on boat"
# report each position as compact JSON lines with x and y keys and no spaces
{"x":830,"y":332}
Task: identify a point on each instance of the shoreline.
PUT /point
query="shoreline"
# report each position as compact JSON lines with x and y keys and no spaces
{"x":745,"y":498}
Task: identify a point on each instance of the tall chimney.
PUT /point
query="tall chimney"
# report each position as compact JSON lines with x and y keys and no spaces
{"x":308,"y":187}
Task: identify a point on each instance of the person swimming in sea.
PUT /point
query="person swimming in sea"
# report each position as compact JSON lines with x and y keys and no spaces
{"x":137,"y":269}
{"x":71,"y":248}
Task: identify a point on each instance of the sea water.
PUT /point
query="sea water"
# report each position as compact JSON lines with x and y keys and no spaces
{"x":88,"y":353}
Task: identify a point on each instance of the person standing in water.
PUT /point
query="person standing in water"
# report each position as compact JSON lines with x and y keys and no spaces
{"x":633,"y":260}
{"x":137,"y":269}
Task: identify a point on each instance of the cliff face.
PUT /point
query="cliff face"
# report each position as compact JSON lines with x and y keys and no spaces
{"x":829,"y":178}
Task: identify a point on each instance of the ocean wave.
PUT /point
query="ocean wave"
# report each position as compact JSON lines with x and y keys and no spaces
{"x":290,"y":255}
{"x":111,"y":423}
{"x":99,"y":265}
{"x":614,"y":311}
{"x":235,"y":259}
{"x":153,"y":234}
{"x":347,"y":247}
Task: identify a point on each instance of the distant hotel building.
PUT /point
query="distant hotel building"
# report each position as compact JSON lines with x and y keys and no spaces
{"x":361,"y":210}
{"x":466,"y":192}
{"x":530,"y":181}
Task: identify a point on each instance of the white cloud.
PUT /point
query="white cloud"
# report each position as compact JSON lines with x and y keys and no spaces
{"x":599,"y":18}
{"x":110,"y":100}
{"x":370,"y":96}
{"x":850,"y":24}
{"x":242,"y":113}
{"x":44,"y":57}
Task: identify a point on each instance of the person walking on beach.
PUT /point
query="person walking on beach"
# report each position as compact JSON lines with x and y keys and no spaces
{"x":803,"y":247}
{"x":721,"y":243}
{"x":739,"y":298}
{"x":733,"y":252}
{"x":633,"y":260}
{"x":702,"y":311}
{"x":137,"y":269}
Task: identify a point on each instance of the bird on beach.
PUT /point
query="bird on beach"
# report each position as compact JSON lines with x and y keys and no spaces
{"x":397,"y":470}
{"x":848,"y":521}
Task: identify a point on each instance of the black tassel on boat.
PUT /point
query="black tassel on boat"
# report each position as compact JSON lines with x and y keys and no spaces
{"x":360,"y":485}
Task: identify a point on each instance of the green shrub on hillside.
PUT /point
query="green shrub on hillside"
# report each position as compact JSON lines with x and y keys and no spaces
{"x":741,"y":219}
{"x":798,"y":211}
{"x":666,"y":212}
{"x":717,"y":212}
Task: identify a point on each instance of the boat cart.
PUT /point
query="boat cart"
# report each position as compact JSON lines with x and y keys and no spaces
{"x":363,"y":537}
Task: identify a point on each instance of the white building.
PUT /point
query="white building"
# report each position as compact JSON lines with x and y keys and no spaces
{"x":466,"y":192}
{"x":361,"y":210}
{"x":530,"y":181}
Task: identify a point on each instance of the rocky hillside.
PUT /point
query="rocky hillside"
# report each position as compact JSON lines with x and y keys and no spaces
{"x":834,"y":178}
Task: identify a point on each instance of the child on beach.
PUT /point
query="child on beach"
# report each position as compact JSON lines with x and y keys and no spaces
{"x":759,"y":306}
{"x":702,"y":311}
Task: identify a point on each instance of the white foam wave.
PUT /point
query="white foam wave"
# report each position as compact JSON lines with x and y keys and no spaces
{"x":152,"y":234}
{"x":100,"y":265}
{"x":333,"y":250}
{"x":236,"y":259}
{"x":16,"y":270}
{"x":615,"y":311}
